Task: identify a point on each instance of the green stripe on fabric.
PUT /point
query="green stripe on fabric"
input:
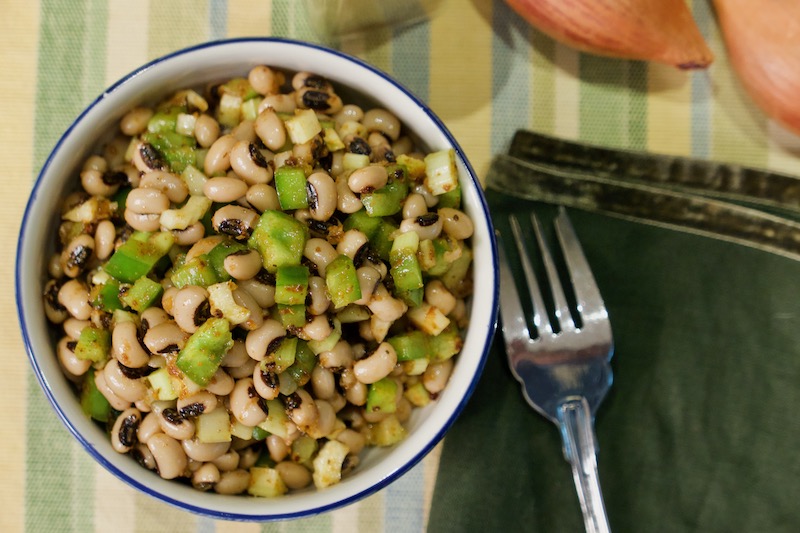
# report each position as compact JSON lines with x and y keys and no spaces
{"x":510,"y":76}
{"x":321,"y":523}
{"x":410,"y":59}
{"x":176,"y":24}
{"x":153,"y":515}
{"x":603,"y":106}
{"x":378,"y":49}
{"x":543,"y":97}
{"x":290,"y":19}
{"x":637,"y":105}
{"x":59,"y":473}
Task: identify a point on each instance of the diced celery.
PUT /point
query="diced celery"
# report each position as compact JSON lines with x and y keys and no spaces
{"x":353,"y":313}
{"x":229,"y":113}
{"x":292,"y":315}
{"x":386,"y":201}
{"x":303,"y":126}
{"x":328,"y":464}
{"x":415,"y":367}
{"x":418,"y":395}
{"x":240,"y":431}
{"x":93,"y":403}
{"x":446,"y":344}
{"x":220,"y":298}
{"x":214,"y":426}
{"x":381,"y":396}
{"x":94,"y":209}
{"x":192,"y":211}
{"x":283,"y":357}
{"x":387,"y":432}
{"x":428,"y":318}
{"x":327,"y":344}
{"x":277,"y":422}
{"x":303,"y":449}
{"x":250,"y":108}
{"x":266,"y":483}
{"x":414,"y":167}
{"x":195,"y":180}
{"x":161,"y":382}
{"x":184,"y":124}
{"x":410,"y":345}
{"x":351,"y":161}
{"x":457,"y":273}
{"x":332,"y":140}
{"x":405,"y":268}
{"x":441,"y":174}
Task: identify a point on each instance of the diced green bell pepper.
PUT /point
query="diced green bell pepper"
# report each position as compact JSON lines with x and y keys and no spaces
{"x":142,"y":294}
{"x":381,"y":396}
{"x":279,"y":238}
{"x":201,"y":356}
{"x":290,"y":182}
{"x":404,"y":265}
{"x":138,"y":255}
{"x":292,"y":315}
{"x":386,"y":201}
{"x":304,"y":362}
{"x":94,"y":344}
{"x":198,"y":271}
{"x":291,"y":285}
{"x":446,"y":344}
{"x":409,"y":346}
{"x":284,"y":355}
{"x":342,"y":281}
{"x":436,"y":255}
{"x":216,"y":257}
{"x":106,"y":296}
{"x":93,"y":403}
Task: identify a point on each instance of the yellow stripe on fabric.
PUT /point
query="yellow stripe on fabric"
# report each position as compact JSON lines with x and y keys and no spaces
{"x":543,"y":93}
{"x":784,"y":146}
{"x":669,"y":110}
{"x":223,"y":526}
{"x":370,"y":513}
{"x":153,"y":515}
{"x":738,"y":126}
{"x":175,"y":25}
{"x":19,"y":34}
{"x":567,"y":92}
{"x":114,"y":502}
{"x":126,"y":48}
{"x":431,"y":467}
{"x":249,"y":19}
{"x":462,"y":95}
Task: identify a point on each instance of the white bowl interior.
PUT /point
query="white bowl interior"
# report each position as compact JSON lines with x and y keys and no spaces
{"x":197,"y":67}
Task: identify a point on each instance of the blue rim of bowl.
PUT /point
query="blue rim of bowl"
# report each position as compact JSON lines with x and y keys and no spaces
{"x":394,"y":475}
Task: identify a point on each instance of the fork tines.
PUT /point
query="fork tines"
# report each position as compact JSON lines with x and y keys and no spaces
{"x":589,"y":303}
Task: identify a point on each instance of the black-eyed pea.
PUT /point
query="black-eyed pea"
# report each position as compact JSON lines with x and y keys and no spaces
{"x":439,"y":296}
{"x":74,"y":296}
{"x":381,"y":120}
{"x":277,"y":448}
{"x":367,"y":179}
{"x":294,"y":476}
{"x":337,"y":358}
{"x":244,"y":370}
{"x":427,"y":226}
{"x":250,"y":164}
{"x":243,"y":265}
{"x":368,"y":279}
{"x":190,"y":307}
{"x":258,"y":341}
{"x":235,"y":221}
{"x":302,"y":410}
{"x":203,"y":246}
{"x":338,"y":402}
{"x":270,"y":129}
{"x":228,"y":461}
{"x":171,"y":185}
{"x":171,"y":460}
{"x":266,"y":383}
{"x":377,"y":365}
{"x":326,"y":420}
{"x":403,"y":145}
{"x":346,"y":200}
{"x":148,"y":427}
{"x":348,"y":112}
{"x":351,"y":241}
{"x":262,"y":197}
{"x":456,"y":224}
{"x":320,"y":252}
{"x":172,"y":423}
{"x":115,"y":401}
{"x":196,"y":404}
{"x":53,"y":309}
{"x":280,"y":103}
{"x":206,"y":130}
{"x":430,"y":199}
{"x":385,"y":306}
{"x":99,"y":183}
{"x":73,"y":327}
{"x":54,"y":267}
{"x":205,"y":477}
{"x":318,"y":328}
{"x":135,"y":121}
{"x":354,"y":440}
{"x":104,"y":237}
{"x":77,"y":255}
{"x":318,"y":293}
{"x":244,"y":131}
{"x":204,"y":452}
{"x":221,"y":383}
{"x":143,"y":222}
{"x":262,"y":290}
{"x":323,"y":382}
{"x":145,"y":201}
{"x":153,"y":316}
{"x":436,"y":376}
{"x":125,"y":345}
{"x":128,"y":389}
{"x":265,"y":80}
{"x":322,"y":196}
{"x":414,"y":206}
{"x":232,"y":482}
{"x":224,"y":189}
{"x":189,"y":236}
{"x":236,"y":356}
{"x":245,"y":403}
{"x":123,"y":432}
{"x":403,"y":409}
{"x":218,"y":158}
{"x":141,"y":453}
{"x":248,"y":457}
{"x":72,"y":365}
{"x":95,"y":162}
{"x":165,"y":338}
{"x":322,"y":100}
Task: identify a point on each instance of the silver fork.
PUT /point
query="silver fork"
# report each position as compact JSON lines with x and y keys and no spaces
{"x":564,"y":370}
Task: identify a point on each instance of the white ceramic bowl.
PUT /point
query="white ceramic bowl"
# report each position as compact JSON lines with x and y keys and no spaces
{"x":195,"y":66}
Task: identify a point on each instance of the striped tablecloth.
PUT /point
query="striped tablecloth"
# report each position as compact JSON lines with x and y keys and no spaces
{"x":476,"y":63}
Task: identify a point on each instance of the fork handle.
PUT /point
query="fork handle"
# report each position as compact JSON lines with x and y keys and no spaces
{"x":580,"y":450}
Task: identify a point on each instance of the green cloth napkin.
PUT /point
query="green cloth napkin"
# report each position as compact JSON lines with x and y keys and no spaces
{"x":700,"y":430}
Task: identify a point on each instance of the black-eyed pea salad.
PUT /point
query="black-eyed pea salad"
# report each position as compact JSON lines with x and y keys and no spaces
{"x":256,"y":281}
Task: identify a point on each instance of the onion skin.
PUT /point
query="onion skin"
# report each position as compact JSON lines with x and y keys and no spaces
{"x":762,"y":38}
{"x":662,"y":31}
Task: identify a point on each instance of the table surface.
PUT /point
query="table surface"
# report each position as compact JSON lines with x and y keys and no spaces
{"x":476,"y":63}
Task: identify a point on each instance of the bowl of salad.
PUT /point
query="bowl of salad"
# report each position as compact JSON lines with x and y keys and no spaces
{"x":256,"y":279}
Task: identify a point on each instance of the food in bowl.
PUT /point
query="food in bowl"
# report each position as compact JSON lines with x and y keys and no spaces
{"x":257,"y":279}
